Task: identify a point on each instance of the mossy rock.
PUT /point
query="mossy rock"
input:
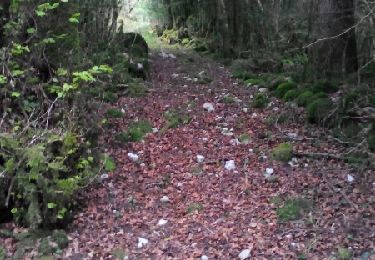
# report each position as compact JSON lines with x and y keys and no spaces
{"x":260,"y":100}
{"x":318,"y":110}
{"x":283,"y":152}
{"x":292,"y":209}
{"x":371,"y":142}
{"x":291,"y":95}
{"x":114,"y":113}
{"x":304,"y":98}
{"x":325,"y":86}
{"x":283,"y":88}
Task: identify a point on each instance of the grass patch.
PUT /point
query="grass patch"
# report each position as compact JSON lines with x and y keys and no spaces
{"x":283,"y":88}
{"x":194,"y":207}
{"x":244,"y":138}
{"x":283,"y":152}
{"x":292,"y":209}
{"x":114,"y":113}
{"x":227,"y":100}
{"x":344,"y":253}
{"x":175,"y":118}
{"x":135,"y":132}
{"x":260,"y":100}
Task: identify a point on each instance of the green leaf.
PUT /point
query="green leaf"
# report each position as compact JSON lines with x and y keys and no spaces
{"x":14,"y":210}
{"x":31,"y":30}
{"x":51,"y":205}
{"x":109,"y":163}
{"x":16,"y":94}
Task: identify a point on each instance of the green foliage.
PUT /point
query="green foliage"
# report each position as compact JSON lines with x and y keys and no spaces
{"x":344,"y":253}
{"x":136,"y":89}
{"x":283,"y":152}
{"x":175,"y":118}
{"x":109,"y":163}
{"x":292,"y":209}
{"x":260,"y":100}
{"x":170,"y":36}
{"x":255,"y":81}
{"x":114,"y":113}
{"x":283,"y":88}
{"x":194,"y":207}
{"x":304,"y":98}
{"x":291,"y":95}
{"x":227,"y":99}
{"x":60,"y":238}
{"x":135,"y":132}
{"x":325,"y":86}
{"x":244,"y":138}
{"x":318,"y":110}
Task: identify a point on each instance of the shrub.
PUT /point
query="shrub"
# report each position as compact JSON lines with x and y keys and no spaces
{"x":135,"y":132}
{"x":114,"y":113}
{"x":283,"y":152}
{"x":260,"y":100}
{"x":291,"y":95}
{"x":283,"y":88}
{"x":292,"y":209}
{"x":304,"y":98}
{"x":318,"y":110}
{"x":325,"y":86}
{"x":136,"y":89}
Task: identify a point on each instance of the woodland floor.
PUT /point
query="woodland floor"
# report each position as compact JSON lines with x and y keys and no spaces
{"x":213,"y":211}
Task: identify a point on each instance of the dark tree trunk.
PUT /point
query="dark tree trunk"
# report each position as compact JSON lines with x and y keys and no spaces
{"x":336,"y":56}
{"x":4,"y":18}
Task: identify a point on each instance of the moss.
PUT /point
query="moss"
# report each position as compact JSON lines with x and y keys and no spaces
{"x":46,"y":247}
{"x":292,"y":209}
{"x":242,"y":74}
{"x":283,"y":88}
{"x":60,"y":238}
{"x":109,"y":97}
{"x":325,"y":86}
{"x":344,"y":253}
{"x":255,"y":81}
{"x":194,"y":207}
{"x":274,"y":83}
{"x":304,"y":98}
{"x":135,"y":132}
{"x":260,"y":100}
{"x":291,"y":95}
{"x":227,"y":100}
{"x":283,"y":152}
{"x":371,"y":142}
{"x":319,"y":95}
{"x":114,"y":113}
{"x":318,"y":110}
{"x":175,"y":118}
{"x":136,"y":89}
{"x":244,"y":138}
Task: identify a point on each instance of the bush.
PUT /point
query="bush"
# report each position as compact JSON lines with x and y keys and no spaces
{"x":291,"y":95}
{"x":283,"y":152}
{"x":318,"y":110}
{"x":304,"y":98}
{"x":260,"y":100}
{"x":325,"y":86}
{"x":283,"y":88}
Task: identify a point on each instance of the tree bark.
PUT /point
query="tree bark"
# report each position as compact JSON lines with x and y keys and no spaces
{"x":4,"y":18}
{"x":338,"y":55}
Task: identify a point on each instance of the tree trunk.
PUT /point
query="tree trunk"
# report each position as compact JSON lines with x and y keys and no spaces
{"x":336,"y":56}
{"x":4,"y":18}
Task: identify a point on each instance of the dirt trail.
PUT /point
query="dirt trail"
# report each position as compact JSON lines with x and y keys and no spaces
{"x":185,"y":209}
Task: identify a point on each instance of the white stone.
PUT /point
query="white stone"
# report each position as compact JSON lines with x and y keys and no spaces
{"x":104,"y":176}
{"x":164,"y":199}
{"x":172,"y":56}
{"x":204,"y":257}
{"x":292,"y":135}
{"x":174,"y":75}
{"x":209,"y":107}
{"x":139,"y":66}
{"x":200,"y":158}
{"x":133,"y":157}
{"x":245,"y":109}
{"x":254,"y":115}
{"x":142,"y":242}
{"x":244,"y":254}
{"x":269,"y":171}
{"x":275,"y":109}
{"x":230,"y":165}
{"x":350,"y":178}
{"x":263,"y":90}
{"x":162,"y":222}
{"x":155,"y":130}
{"x":234,"y":142}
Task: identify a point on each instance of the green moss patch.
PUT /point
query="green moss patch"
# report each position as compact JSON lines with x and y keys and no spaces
{"x":318,"y":110}
{"x":291,"y":95}
{"x":283,"y":152}
{"x":304,"y":98}
{"x":293,"y":209}
{"x":114,"y":113}
{"x":283,"y":88}
{"x":194,"y":207}
{"x":260,"y":100}
{"x":135,"y":132}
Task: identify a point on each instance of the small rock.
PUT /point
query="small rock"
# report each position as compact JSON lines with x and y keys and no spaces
{"x":133,"y":157}
{"x":254,"y":115}
{"x":200,"y":158}
{"x":174,"y":75}
{"x":245,"y":109}
{"x":162,"y":222}
{"x":142,"y":242}
{"x":244,"y":254}
{"x":292,"y":135}
{"x":155,"y":130}
{"x":104,"y":176}
{"x":268,"y":173}
{"x":230,"y":165}
{"x":350,"y":178}
{"x":139,"y":66}
{"x":253,"y":225}
{"x":263,"y":90}
{"x":172,"y":56}
{"x":234,"y":141}
{"x":204,"y":257}
{"x":209,"y":107}
{"x":164,"y":199}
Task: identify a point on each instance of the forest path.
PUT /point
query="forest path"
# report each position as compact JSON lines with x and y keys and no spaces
{"x":166,"y":205}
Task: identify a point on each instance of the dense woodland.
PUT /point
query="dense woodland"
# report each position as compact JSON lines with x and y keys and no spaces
{"x":71,"y":68}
